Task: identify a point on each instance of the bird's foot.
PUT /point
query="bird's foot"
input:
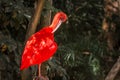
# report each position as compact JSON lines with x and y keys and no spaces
{"x":40,"y":78}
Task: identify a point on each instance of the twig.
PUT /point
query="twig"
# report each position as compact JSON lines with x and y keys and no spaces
{"x":114,"y":70}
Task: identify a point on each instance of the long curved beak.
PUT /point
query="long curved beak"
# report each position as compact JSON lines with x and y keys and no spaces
{"x":58,"y":25}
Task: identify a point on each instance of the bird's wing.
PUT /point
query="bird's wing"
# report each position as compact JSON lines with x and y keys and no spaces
{"x":39,"y":48}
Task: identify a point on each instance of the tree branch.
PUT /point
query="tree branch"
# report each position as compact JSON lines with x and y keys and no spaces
{"x":114,"y":70}
{"x":34,"y":21}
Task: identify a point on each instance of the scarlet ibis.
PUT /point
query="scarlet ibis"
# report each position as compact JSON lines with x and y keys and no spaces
{"x":41,"y":45}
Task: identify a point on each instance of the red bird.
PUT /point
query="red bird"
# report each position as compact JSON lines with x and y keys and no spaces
{"x":41,"y":45}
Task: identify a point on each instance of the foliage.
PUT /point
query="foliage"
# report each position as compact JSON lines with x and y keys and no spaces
{"x":80,"y":47}
{"x":80,"y":56}
{"x":13,"y":25}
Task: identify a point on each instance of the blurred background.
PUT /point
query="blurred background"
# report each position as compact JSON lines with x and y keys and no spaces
{"x":88,"y":43}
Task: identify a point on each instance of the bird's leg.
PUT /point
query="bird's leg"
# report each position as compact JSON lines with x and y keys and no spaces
{"x":39,"y":73}
{"x":39,"y":70}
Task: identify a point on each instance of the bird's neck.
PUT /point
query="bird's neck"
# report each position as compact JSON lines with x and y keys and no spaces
{"x":55,"y":23}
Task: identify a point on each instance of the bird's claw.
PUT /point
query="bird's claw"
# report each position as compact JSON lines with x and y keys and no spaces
{"x":38,"y":78}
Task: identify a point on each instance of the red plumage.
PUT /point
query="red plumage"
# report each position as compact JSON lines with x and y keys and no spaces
{"x":41,"y":45}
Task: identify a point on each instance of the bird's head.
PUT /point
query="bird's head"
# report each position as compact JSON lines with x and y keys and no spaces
{"x":57,"y":21}
{"x":61,"y":16}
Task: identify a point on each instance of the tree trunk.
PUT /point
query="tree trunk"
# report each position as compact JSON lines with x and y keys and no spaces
{"x":109,"y":25}
{"x":26,"y":74}
{"x":46,"y":21}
